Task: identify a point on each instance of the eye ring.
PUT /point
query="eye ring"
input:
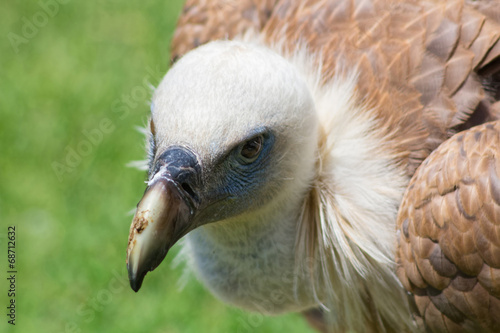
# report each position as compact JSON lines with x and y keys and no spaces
{"x":251,"y":149}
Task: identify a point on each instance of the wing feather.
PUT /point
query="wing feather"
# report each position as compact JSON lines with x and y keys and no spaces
{"x":449,"y":231}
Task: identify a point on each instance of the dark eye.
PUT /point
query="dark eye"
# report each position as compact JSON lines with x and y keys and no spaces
{"x":251,"y":149}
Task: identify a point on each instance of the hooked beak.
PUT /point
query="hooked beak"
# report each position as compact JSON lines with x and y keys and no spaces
{"x":163,"y":216}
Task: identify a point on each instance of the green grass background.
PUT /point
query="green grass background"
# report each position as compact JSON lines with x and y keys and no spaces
{"x":72,"y":228}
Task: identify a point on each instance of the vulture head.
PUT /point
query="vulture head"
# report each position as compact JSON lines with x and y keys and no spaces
{"x":233,"y":142}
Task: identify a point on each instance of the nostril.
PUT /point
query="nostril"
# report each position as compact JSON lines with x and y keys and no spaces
{"x":188,"y":189}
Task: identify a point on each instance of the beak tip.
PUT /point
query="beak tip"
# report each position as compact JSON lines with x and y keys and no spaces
{"x":135,"y":285}
{"x":135,"y":279}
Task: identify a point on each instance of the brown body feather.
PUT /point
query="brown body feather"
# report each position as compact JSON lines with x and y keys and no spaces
{"x":427,"y":69}
{"x":449,"y":241}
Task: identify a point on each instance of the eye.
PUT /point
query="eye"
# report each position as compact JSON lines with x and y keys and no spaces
{"x":251,"y":149}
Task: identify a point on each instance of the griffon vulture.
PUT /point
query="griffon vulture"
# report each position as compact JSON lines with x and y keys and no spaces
{"x":337,"y":158}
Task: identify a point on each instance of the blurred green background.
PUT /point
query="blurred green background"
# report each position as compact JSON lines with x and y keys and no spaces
{"x":74,"y":83}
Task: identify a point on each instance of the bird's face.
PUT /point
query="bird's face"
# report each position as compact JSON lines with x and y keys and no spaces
{"x":232,"y":134}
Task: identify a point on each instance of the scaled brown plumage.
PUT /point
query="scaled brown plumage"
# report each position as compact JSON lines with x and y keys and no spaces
{"x":449,"y":233}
